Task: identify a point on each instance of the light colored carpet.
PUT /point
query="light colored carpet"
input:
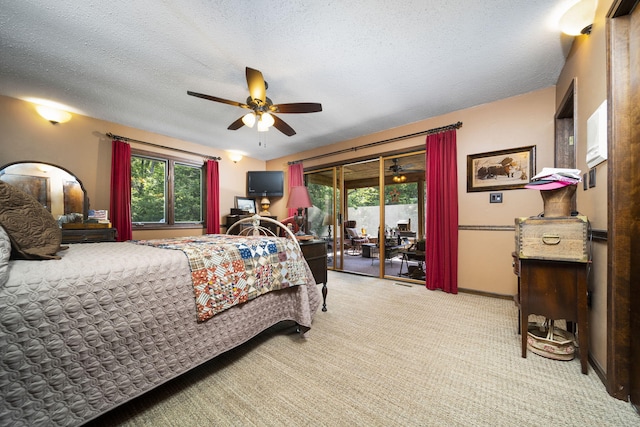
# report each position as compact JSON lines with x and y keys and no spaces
{"x":385,"y":355}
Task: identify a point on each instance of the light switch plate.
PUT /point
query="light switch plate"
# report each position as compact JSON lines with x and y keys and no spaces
{"x":495,"y":197}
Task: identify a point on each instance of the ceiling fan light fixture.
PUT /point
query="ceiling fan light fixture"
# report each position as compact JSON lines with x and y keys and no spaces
{"x":267,"y":119}
{"x":399,"y":178}
{"x":249,"y":119}
{"x":262,"y":126}
{"x":261,"y":105}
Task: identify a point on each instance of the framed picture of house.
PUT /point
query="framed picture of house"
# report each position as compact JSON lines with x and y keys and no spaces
{"x":246,"y":204}
{"x":501,"y":170}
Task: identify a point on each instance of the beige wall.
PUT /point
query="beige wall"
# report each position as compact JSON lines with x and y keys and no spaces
{"x":484,"y":256}
{"x":81,"y":147}
{"x":586,"y":63}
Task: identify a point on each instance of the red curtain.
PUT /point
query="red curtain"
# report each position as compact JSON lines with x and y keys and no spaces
{"x":442,"y":212}
{"x":213,"y":198}
{"x":120,"y":204}
{"x":296,"y":178}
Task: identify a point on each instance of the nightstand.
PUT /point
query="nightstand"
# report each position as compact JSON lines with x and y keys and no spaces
{"x":315,"y":253}
{"x":88,"y":235}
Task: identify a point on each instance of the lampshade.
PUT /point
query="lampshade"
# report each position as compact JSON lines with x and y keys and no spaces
{"x":249,"y":119}
{"x":299,"y":198}
{"x":235,"y":157}
{"x":327,"y":220}
{"x":54,"y":115}
{"x":579,"y":18}
{"x":267,"y":119}
{"x":262,"y":126}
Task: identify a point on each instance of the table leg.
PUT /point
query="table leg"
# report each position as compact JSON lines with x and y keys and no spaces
{"x":324,"y":297}
{"x":403,"y":261}
{"x":583,"y":320}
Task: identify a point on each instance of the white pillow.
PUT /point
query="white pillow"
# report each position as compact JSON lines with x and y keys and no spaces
{"x":5,"y":253}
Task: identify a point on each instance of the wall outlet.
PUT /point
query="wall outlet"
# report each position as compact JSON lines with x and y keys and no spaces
{"x":495,"y":197}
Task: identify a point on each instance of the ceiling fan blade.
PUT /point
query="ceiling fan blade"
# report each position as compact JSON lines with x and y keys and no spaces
{"x":236,"y":125}
{"x":257,"y":87}
{"x":298,"y":107}
{"x":282,"y":126}
{"x":216,"y":99}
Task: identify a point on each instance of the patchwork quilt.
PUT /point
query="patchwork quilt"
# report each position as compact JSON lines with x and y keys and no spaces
{"x":228,"y":270}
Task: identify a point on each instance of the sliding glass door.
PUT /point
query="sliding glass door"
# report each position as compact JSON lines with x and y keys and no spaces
{"x":369,"y":231}
{"x":324,"y":189}
{"x":403,"y":211}
{"x":361,"y":221}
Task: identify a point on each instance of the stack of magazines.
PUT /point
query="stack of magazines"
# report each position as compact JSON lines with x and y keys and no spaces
{"x":554,"y":178}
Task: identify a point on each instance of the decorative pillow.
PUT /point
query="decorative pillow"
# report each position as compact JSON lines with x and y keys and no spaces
{"x":5,"y":254}
{"x":33,"y":231}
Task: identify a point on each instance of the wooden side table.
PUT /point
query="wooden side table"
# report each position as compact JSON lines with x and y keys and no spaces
{"x":315,"y":253}
{"x":232,"y":219}
{"x":556,"y":290}
{"x":88,"y":235}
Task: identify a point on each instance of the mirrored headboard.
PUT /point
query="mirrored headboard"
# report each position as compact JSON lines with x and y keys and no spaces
{"x":59,"y":191}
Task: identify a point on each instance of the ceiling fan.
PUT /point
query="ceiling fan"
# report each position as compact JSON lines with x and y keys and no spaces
{"x":399,"y":170}
{"x":262,"y":107}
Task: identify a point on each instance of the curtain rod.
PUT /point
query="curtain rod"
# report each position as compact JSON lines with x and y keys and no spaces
{"x":457,"y":125}
{"x":111,"y":135}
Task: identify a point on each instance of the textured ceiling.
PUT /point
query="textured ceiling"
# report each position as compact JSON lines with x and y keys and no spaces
{"x":372,"y":64}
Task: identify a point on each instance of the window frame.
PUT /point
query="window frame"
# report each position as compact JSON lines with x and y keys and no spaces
{"x":170,"y":224}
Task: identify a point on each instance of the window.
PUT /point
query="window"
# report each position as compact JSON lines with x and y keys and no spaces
{"x":166,"y":191}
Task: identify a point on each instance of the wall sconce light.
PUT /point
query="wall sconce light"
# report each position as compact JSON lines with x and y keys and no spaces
{"x":578,"y":19}
{"x":54,"y":115}
{"x":44,"y":168}
{"x":235,"y":157}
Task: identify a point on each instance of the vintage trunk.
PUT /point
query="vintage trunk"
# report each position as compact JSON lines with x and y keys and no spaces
{"x":558,"y":238}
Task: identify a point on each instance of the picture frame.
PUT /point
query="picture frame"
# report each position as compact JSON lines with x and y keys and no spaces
{"x":36,"y":186}
{"x":501,"y":170}
{"x":246,"y":204}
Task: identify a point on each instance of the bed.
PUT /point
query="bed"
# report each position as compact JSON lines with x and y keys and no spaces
{"x":107,"y":322}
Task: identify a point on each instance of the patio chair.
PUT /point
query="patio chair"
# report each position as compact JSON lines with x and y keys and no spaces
{"x":353,"y":239}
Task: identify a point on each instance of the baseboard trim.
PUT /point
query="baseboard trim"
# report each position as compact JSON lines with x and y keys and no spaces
{"x":599,"y":371}
{"x":487,"y":227}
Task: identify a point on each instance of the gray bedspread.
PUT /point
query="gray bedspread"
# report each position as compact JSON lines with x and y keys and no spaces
{"x":110,"y":321}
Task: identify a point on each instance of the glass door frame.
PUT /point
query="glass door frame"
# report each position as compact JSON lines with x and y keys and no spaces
{"x":421,"y":205}
{"x":339,"y":208}
{"x":334,"y":215}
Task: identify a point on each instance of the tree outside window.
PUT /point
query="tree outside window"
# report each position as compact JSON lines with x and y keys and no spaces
{"x":165,"y":191}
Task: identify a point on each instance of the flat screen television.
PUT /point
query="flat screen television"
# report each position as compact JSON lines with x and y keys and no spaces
{"x":265,"y":183}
